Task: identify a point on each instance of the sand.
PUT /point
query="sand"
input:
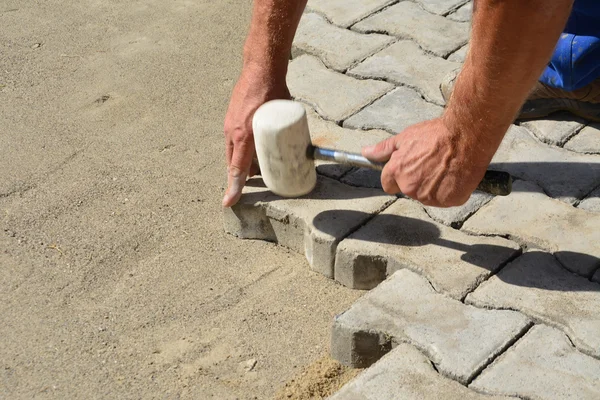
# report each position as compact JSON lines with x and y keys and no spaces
{"x":116,"y":278}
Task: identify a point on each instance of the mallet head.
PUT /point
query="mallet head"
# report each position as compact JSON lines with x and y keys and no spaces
{"x":282,"y":138}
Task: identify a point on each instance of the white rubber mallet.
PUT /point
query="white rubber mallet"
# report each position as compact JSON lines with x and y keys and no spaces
{"x":286,"y":155}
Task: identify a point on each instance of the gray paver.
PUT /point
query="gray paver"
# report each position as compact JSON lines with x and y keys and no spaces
{"x":408,"y":20}
{"x":403,"y":236}
{"x":463,"y":14}
{"x":591,"y":202}
{"x":394,"y":112}
{"x":347,"y":12}
{"x":405,"y":63}
{"x":563,"y":174}
{"x":405,"y":374}
{"x":460,"y":55}
{"x":455,"y":216}
{"x":555,"y":129}
{"x":333,"y":95}
{"x":586,"y":141}
{"x":338,"y":48}
{"x":542,"y":365}
{"x":527,"y":214}
{"x":537,"y":285}
{"x":440,"y":7}
{"x":330,"y":135}
{"x":313,"y":224}
{"x":459,"y":339}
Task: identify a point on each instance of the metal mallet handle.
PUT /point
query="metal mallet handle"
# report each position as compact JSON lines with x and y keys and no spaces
{"x":498,"y":183}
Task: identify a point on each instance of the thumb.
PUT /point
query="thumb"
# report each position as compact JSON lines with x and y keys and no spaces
{"x":380,"y":152}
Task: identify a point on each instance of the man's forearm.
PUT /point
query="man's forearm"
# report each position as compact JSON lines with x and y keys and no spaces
{"x":511,"y":43}
{"x":267,"y":48}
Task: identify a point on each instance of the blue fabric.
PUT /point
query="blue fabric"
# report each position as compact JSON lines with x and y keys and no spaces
{"x":576,"y":59}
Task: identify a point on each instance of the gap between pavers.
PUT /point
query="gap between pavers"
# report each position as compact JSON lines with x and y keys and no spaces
{"x":347,"y":12}
{"x":403,"y":236}
{"x":537,"y":285}
{"x":405,"y":374}
{"x":586,"y":141}
{"x":555,"y":129}
{"x":335,"y":96}
{"x":404,"y":63}
{"x":338,"y":48}
{"x":459,"y":339}
{"x":591,"y":202}
{"x":542,"y":365}
{"x":312,"y":225}
{"x":531,"y":217}
{"x":397,"y":110}
{"x":407,"y":20}
{"x":562,"y":174}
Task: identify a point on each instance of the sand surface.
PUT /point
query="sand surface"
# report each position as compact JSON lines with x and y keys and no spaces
{"x":116,"y":279}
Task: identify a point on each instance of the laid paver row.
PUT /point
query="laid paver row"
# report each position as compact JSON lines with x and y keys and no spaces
{"x":493,"y":351}
{"x":459,"y":339}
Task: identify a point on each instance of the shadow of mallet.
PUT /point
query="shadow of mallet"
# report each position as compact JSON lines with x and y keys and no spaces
{"x":286,"y":155}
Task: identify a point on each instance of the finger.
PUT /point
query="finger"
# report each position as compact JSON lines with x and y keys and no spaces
{"x":241,"y":160}
{"x":388,"y":178}
{"x":235,"y":183}
{"x":382,"y":151}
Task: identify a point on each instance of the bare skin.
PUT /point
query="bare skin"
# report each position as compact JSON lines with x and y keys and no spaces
{"x":438,"y":162}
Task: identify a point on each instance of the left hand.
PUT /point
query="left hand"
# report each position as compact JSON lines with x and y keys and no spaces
{"x":431,"y":164}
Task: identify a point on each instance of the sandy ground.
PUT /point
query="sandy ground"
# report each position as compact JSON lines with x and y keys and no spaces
{"x":116,"y":279}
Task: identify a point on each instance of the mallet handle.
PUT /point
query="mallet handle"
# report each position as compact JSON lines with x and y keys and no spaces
{"x":498,"y":183}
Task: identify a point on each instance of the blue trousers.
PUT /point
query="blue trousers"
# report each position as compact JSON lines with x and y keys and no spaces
{"x":576,"y":59}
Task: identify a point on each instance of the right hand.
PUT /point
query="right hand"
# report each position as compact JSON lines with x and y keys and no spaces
{"x":252,"y":90}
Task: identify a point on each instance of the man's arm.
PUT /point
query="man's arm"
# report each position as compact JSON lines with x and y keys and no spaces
{"x":441,"y":162}
{"x":266,"y":54}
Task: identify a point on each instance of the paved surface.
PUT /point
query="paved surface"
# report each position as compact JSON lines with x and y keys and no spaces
{"x":498,"y":297}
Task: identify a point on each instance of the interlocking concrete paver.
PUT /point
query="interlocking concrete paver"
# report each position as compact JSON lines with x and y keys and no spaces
{"x":542,"y":365}
{"x":463,"y":14}
{"x":333,"y":95}
{"x":527,"y":214}
{"x":562,"y":174}
{"x":347,"y":12}
{"x":403,"y":236}
{"x":330,"y":135}
{"x":459,"y":339}
{"x":460,"y":55}
{"x":455,"y":216}
{"x":586,"y":141}
{"x":313,"y":224}
{"x":405,"y":374}
{"x":394,"y":112}
{"x":405,"y":63}
{"x":440,"y":7}
{"x":555,"y":130}
{"x":591,"y":202}
{"x":407,"y":20}
{"x":537,"y":285}
{"x":338,"y":48}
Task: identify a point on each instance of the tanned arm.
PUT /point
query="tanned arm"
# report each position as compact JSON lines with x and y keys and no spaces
{"x":266,"y":54}
{"x":441,"y":162}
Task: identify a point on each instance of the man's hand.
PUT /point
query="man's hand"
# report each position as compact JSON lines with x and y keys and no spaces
{"x":266,"y":54}
{"x":251,"y":91}
{"x":429,"y":163}
{"x":441,"y":162}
